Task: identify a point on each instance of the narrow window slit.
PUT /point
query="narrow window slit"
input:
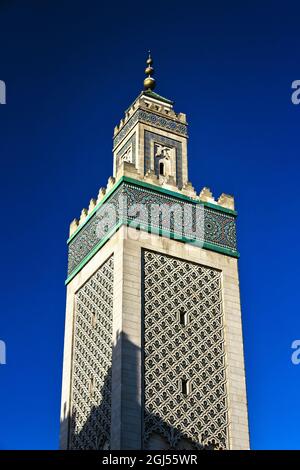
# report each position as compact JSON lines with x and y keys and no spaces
{"x":183,"y":318}
{"x":184,"y":387}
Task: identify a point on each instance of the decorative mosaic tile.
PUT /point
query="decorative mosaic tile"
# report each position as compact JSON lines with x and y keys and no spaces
{"x":180,"y":219}
{"x":152,"y":119}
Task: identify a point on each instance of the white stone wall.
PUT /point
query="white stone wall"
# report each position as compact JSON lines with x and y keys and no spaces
{"x":113,"y":246}
{"x":127,"y":246}
{"x":238,"y":418}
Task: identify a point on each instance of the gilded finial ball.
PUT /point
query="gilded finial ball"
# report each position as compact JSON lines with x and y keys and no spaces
{"x":149,"y":70}
{"x":149,"y":83}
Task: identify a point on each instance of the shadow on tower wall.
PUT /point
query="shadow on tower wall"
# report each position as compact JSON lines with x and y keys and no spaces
{"x":120,"y":426}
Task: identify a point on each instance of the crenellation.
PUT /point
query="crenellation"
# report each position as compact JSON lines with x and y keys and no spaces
{"x":182,"y":117}
{"x":101,"y":194}
{"x":158,"y":107}
{"x":189,"y":190}
{"x":92,"y":205}
{"x":155,"y":104}
{"x":206,"y":195}
{"x":111,"y":181}
{"x":83,"y":216}
{"x":73,"y":227}
{"x":225,"y":200}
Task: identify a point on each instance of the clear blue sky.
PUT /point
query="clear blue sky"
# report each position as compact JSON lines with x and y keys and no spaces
{"x":71,"y":69}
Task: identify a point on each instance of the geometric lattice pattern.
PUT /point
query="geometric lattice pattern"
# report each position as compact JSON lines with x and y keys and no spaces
{"x":92,"y":360}
{"x":217,"y":227}
{"x":184,"y":359}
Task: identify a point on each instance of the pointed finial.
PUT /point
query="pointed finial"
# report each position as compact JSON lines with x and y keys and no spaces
{"x":149,"y":82}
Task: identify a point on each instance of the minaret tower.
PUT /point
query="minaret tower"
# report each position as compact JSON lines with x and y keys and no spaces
{"x":153,"y":353}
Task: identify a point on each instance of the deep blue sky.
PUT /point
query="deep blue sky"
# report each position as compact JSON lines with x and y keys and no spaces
{"x":71,"y":69}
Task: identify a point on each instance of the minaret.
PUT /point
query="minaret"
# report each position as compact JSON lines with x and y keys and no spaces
{"x":153,"y":353}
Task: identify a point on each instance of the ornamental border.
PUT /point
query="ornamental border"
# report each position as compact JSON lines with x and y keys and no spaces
{"x":154,"y":120}
{"x":146,"y":227}
{"x":158,"y":189}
